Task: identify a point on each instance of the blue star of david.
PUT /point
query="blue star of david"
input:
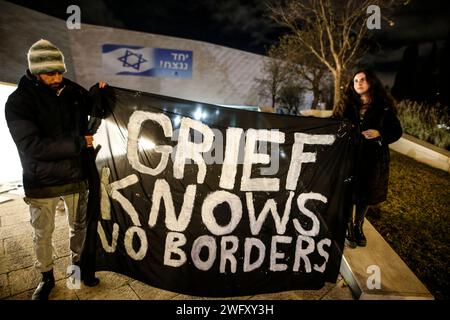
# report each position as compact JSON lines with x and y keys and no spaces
{"x":126,"y":62}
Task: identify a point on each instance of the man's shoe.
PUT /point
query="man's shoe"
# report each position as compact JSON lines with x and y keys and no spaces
{"x":44,"y":287}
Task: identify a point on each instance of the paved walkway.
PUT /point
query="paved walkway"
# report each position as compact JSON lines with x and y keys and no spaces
{"x":18,"y":277}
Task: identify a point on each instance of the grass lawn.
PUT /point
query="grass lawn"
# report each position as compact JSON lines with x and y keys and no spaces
{"x":415,"y":221}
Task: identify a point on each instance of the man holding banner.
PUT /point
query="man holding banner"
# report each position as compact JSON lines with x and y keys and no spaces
{"x":47,"y":116}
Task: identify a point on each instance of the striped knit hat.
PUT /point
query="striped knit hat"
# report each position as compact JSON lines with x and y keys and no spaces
{"x":44,"y":57}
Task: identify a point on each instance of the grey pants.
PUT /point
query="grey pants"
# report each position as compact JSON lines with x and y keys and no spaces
{"x":42,"y":213}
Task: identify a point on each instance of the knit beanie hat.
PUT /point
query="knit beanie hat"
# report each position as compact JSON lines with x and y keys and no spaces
{"x":44,"y":57}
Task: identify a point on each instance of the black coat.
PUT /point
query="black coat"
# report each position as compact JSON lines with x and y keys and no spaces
{"x":372,"y":155}
{"x":48,"y":131}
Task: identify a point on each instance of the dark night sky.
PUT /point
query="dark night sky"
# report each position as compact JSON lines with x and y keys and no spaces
{"x":243,"y":24}
{"x":233,"y":23}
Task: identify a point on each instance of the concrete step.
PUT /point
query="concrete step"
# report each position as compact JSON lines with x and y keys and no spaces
{"x":376,"y":272}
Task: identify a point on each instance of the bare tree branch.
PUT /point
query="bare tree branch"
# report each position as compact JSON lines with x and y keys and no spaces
{"x":332,"y":32}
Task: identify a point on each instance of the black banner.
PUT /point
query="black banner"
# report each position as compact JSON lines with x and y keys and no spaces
{"x":211,"y":201}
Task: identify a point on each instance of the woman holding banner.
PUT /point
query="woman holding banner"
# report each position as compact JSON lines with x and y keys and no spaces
{"x":370,"y":109}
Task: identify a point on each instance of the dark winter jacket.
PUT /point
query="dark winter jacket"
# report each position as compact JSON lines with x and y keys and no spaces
{"x":49,"y":134}
{"x":372,"y":155}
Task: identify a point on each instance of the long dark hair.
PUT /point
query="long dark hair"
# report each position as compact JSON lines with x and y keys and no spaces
{"x":379,"y":96}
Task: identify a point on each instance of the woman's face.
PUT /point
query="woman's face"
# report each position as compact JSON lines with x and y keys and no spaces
{"x":360,"y":84}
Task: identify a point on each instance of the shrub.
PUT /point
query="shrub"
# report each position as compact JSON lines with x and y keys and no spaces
{"x":428,"y":123}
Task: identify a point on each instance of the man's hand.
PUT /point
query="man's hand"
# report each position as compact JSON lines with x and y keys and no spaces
{"x":89,"y":141}
{"x":102,"y":84}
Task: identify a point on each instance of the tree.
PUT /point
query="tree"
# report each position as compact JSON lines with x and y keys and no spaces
{"x":304,"y":68}
{"x":291,"y":96}
{"x":427,"y":84}
{"x":443,"y":77}
{"x":275,"y":76}
{"x":417,"y":78}
{"x":404,"y":84}
{"x":332,"y":31}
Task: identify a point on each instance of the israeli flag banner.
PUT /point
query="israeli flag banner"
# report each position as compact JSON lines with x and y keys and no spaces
{"x":146,"y":61}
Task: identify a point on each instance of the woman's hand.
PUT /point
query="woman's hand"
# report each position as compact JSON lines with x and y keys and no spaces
{"x":371,"y":134}
{"x":89,"y":141}
{"x":102,"y":84}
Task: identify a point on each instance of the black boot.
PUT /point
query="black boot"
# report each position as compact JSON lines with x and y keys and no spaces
{"x":44,"y":287}
{"x":361,"y":210}
{"x":359,"y":234}
{"x":350,"y":240}
{"x":91,"y":281}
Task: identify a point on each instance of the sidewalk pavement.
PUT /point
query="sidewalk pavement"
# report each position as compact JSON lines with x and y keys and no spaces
{"x":18,"y":277}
